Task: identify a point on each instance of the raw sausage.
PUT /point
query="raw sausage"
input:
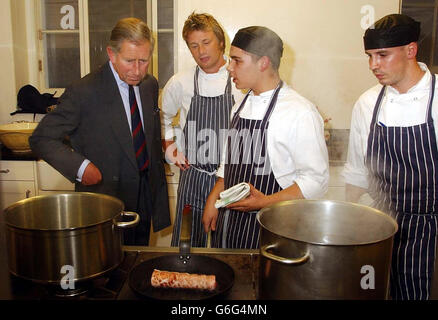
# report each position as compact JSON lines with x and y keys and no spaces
{"x":170,"y":279}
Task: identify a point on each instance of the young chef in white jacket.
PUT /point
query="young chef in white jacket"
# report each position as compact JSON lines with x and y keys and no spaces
{"x":393,"y":151}
{"x":203,"y":95}
{"x":276,"y":142}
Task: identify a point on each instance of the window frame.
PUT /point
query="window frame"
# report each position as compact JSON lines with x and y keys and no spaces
{"x":432,"y":64}
{"x":84,"y":40}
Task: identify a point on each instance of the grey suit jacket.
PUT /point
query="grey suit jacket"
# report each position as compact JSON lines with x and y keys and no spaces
{"x":91,"y":113}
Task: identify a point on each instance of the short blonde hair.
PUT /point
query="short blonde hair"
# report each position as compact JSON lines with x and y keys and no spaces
{"x":203,"y":22}
{"x":131,"y":29}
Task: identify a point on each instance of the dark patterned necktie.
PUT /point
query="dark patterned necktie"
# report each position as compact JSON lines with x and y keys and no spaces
{"x":138,"y":133}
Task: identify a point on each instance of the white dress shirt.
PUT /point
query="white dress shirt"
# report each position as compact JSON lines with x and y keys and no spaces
{"x":178,"y":93}
{"x":397,"y":110}
{"x":295,"y":140}
{"x":124,"y":93}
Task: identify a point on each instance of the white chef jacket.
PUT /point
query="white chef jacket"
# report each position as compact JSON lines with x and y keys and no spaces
{"x":179,"y":90}
{"x":397,"y":110}
{"x":295,"y":140}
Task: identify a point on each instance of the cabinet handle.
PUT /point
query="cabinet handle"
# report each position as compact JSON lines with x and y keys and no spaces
{"x":4,"y":171}
{"x":27,"y":194}
{"x":171,"y":174}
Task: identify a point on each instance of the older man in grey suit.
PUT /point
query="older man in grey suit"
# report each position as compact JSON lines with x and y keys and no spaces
{"x":113,"y":123}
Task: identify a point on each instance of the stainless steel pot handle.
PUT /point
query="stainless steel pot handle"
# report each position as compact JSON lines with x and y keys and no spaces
{"x":264,"y":250}
{"x":128,"y":224}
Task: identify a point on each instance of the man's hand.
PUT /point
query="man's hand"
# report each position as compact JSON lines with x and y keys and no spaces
{"x":255,"y":201}
{"x":209,"y":216}
{"x":91,"y":175}
{"x":173,"y":156}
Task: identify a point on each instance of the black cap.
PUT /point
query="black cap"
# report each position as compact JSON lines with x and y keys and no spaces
{"x":393,"y":30}
{"x":260,"y":41}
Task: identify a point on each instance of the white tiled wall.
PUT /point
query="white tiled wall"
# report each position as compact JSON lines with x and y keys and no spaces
{"x":336,"y":189}
{"x":323,"y":56}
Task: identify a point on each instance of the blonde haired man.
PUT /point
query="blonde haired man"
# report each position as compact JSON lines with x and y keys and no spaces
{"x":203,"y":96}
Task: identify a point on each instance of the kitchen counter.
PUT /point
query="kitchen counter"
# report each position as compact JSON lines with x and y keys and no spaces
{"x":7,"y":154}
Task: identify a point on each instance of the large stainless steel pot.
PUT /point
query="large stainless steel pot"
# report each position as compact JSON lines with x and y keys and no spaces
{"x":77,"y":235}
{"x":317,"y":249}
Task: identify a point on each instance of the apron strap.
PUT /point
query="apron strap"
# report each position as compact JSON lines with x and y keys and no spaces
{"x":195,"y":87}
{"x":267,"y":113}
{"x":272,"y":104}
{"x":377,"y":106}
{"x":429,"y":105}
{"x":239,"y":109}
{"x":431,"y":95}
{"x":228,"y":86}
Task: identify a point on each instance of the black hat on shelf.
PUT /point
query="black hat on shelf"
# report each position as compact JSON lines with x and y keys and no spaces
{"x":30,"y":100}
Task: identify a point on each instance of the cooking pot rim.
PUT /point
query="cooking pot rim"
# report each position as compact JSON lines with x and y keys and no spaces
{"x":288,"y":202}
{"x":19,"y":203}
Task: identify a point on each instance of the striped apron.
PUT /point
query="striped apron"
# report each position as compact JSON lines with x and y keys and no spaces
{"x":247,"y":161}
{"x":403,"y":182}
{"x":208,"y":118}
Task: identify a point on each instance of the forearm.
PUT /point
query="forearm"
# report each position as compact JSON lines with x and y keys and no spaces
{"x":58,"y":155}
{"x":214,"y":193}
{"x":291,"y":193}
{"x":171,"y":103}
{"x":257,"y":200}
{"x":209,"y":216}
{"x":47,"y":140}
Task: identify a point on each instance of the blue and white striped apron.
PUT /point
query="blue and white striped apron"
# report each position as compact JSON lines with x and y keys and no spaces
{"x":247,"y":161}
{"x":206,"y":119}
{"x":403,"y":168}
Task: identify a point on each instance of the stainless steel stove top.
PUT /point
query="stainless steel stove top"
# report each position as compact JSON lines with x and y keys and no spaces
{"x":115,"y":284}
{"x":106,"y":287}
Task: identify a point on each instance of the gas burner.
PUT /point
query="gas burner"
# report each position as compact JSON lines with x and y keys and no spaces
{"x":26,"y":289}
{"x":105,"y":287}
{"x":79,"y":290}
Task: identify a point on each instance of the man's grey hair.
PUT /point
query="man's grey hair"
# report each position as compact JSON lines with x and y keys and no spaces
{"x":131,"y":29}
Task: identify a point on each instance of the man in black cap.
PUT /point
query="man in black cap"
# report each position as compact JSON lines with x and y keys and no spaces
{"x":393,"y":151}
{"x":275,"y":142}
{"x":202,"y":95}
